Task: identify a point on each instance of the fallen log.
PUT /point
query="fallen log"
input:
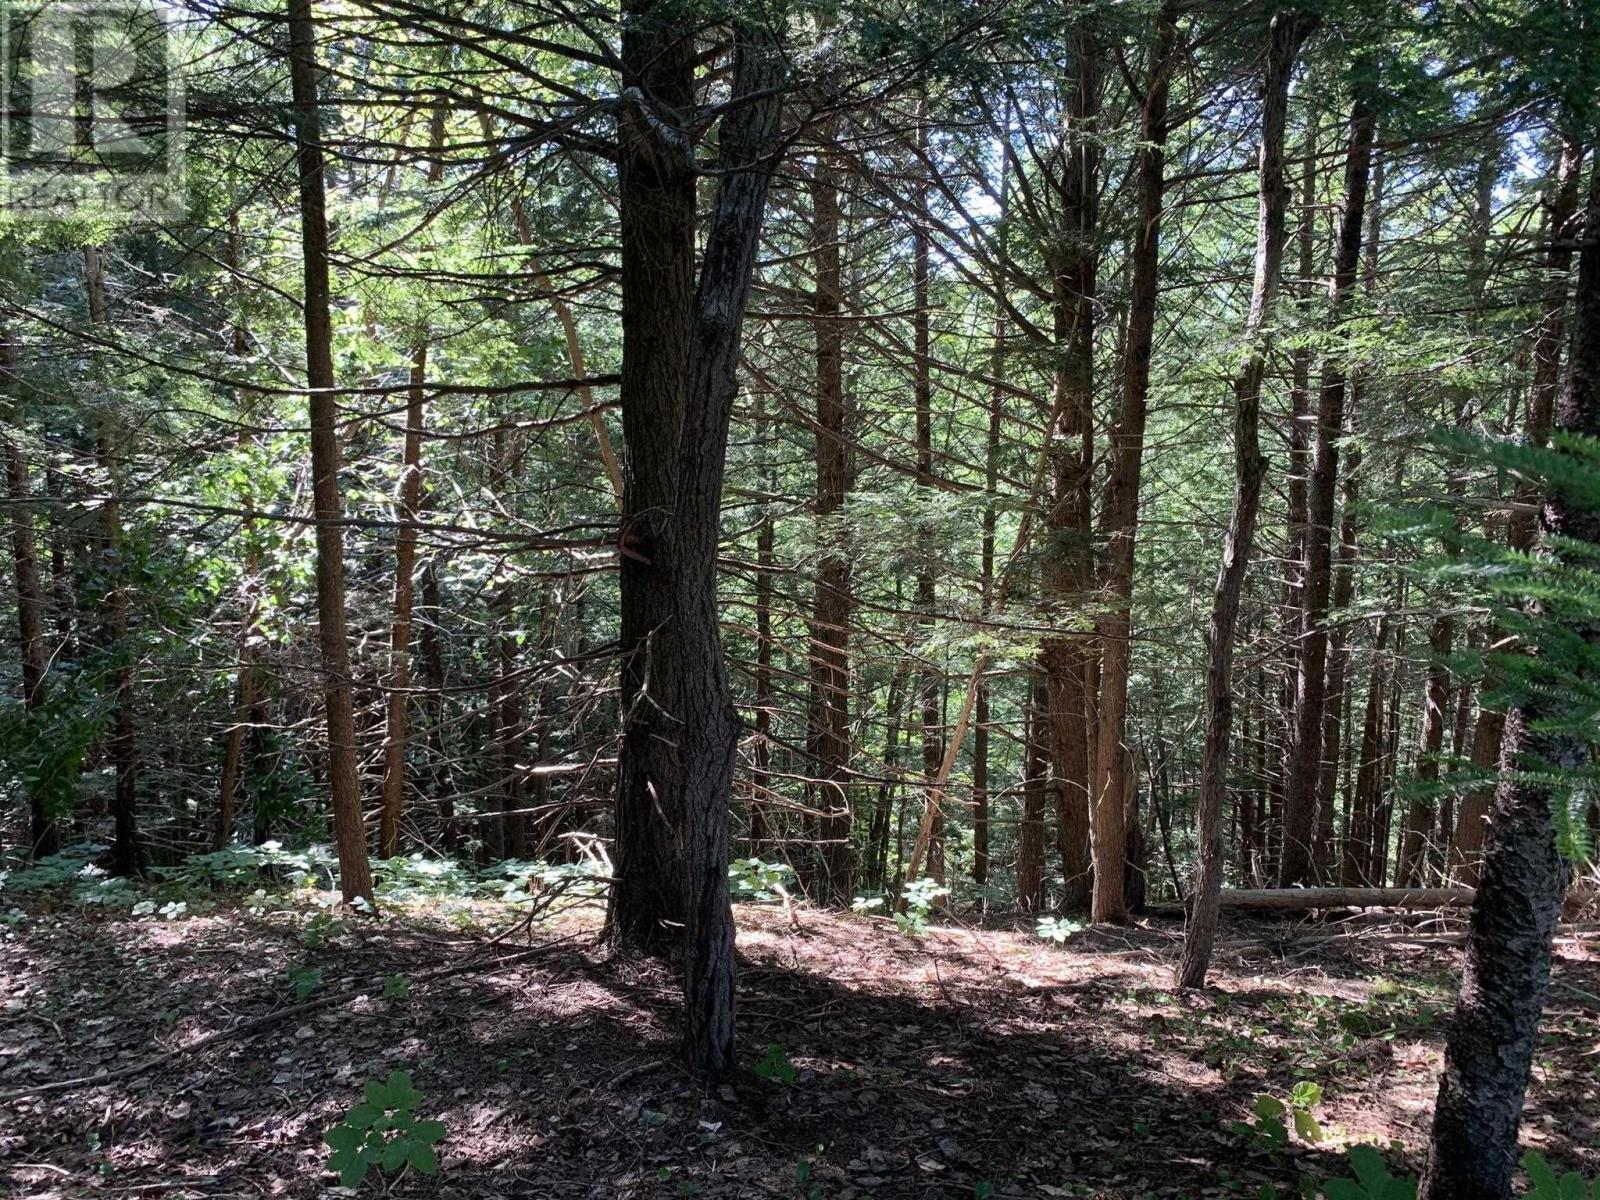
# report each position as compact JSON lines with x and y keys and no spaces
{"x":1304,"y":899}
{"x":1292,"y":899}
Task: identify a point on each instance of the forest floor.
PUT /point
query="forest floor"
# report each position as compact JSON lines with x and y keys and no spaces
{"x":962,"y":1063}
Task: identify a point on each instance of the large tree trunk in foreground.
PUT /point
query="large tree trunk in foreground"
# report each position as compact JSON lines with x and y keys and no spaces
{"x":1304,"y":770}
{"x":1119,"y":518}
{"x":355,"y":873}
{"x":1489,"y":1053}
{"x":1288,"y":32}
{"x":679,"y":740}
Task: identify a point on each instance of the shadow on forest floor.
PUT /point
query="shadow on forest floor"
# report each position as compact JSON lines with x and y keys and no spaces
{"x":933,"y":1067}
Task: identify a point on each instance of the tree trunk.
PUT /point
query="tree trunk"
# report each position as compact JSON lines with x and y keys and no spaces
{"x":355,"y":873}
{"x":1489,"y":1052}
{"x":761,"y":747}
{"x":1119,"y":515}
{"x":1419,"y":812}
{"x":1069,"y":568}
{"x":1304,"y":770}
{"x":127,"y":856}
{"x":1030,"y":836}
{"x":927,"y":592}
{"x":1287,"y":34}
{"x":1355,"y":867}
{"x":407,"y":509}
{"x":680,"y":354}
{"x":1468,"y":841}
{"x":44,"y":835}
{"x":830,"y":629}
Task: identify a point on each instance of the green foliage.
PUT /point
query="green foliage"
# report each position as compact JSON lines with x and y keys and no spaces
{"x":1057,"y":929}
{"x":320,"y":928}
{"x":396,"y":987}
{"x":1372,"y":1181}
{"x":757,"y":881}
{"x":917,"y":900}
{"x":1544,"y":1184}
{"x":1271,"y":1118}
{"x":303,"y":980}
{"x":775,"y":1065}
{"x":383,"y":1132}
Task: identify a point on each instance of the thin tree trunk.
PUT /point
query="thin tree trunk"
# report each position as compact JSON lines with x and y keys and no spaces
{"x":1119,"y":517}
{"x":355,"y":873}
{"x":1304,"y":771}
{"x":407,"y":510}
{"x":927,"y":593}
{"x":1069,"y":568}
{"x":761,"y":748}
{"x":1287,"y":34}
{"x":830,"y":630}
{"x":44,"y":835}
{"x":1030,"y":836}
{"x":127,"y":856}
{"x":1356,"y":863}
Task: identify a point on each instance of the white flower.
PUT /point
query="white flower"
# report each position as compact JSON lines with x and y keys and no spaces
{"x":174,"y":910}
{"x":144,"y":908}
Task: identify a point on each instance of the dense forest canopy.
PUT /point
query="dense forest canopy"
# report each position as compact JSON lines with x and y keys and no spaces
{"x":1098,"y":461}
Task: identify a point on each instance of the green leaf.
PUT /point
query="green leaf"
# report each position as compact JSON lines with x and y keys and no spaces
{"x":343,"y":1137}
{"x":394,"y":1155}
{"x":364,"y":1116}
{"x":1369,"y":1167}
{"x":428,"y":1131}
{"x":1306,"y":1126}
{"x":1573,"y":1187}
{"x":1306,"y":1094}
{"x":1268,"y":1107}
{"x":377,"y":1095}
{"x":1540,"y":1174}
{"x":352,"y":1170}
{"x":1344,"y":1189}
{"x":802,"y":1170}
{"x":421,"y":1156}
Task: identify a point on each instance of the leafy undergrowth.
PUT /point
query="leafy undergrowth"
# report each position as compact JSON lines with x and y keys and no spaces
{"x":959,"y":1063}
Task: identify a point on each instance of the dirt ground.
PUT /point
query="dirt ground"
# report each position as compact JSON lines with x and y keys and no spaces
{"x":964,"y":1063}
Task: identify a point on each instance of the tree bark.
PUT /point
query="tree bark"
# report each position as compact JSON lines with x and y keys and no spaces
{"x":1069,"y":566}
{"x":408,"y":507}
{"x":830,"y":629}
{"x":1030,"y":836}
{"x":355,"y":873}
{"x":1467,"y":843}
{"x":127,"y":856}
{"x":927,"y":590}
{"x":1489,"y":1052}
{"x":680,"y":727}
{"x":44,"y":835}
{"x":1304,"y":769}
{"x":1287,"y":34}
{"x":1119,"y":514}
